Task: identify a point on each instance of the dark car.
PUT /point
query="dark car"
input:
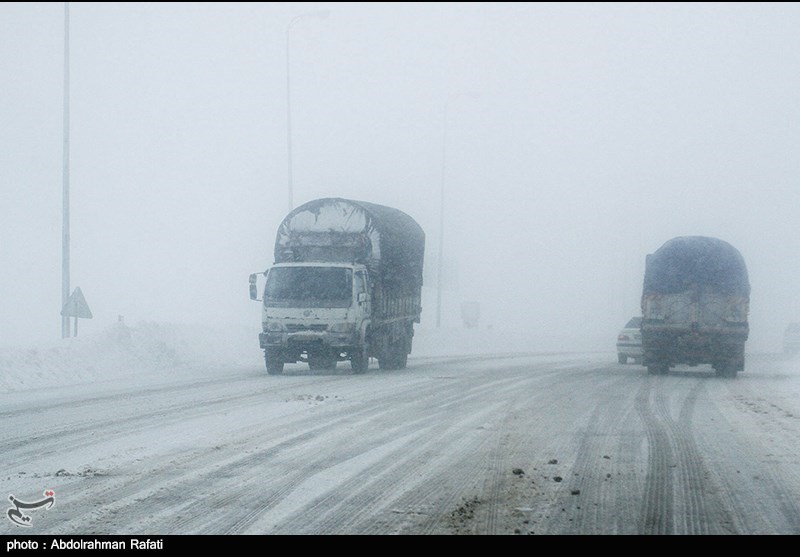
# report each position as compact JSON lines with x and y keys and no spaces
{"x":629,"y":342}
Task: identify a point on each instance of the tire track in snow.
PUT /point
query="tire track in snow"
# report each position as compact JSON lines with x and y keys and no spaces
{"x":591,"y":496}
{"x":472,"y":488}
{"x":658,"y":507}
{"x":769,"y":464}
{"x":681,"y":495}
{"x":442,"y":408}
{"x":137,"y":492}
{"x":693,"y":482}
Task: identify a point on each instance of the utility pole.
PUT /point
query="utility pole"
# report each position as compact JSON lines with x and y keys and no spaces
{"x":321,"y":14}
{"x":65,"y":332}
{"x":440,"y":272}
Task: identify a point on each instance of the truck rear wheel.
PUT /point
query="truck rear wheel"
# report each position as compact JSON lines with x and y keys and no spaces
{"x":359,"y":362}
{"x":274,"y":365}
{"x":727,"y":369}
{"x":658,"y":369}
{"x":397,"y":358}
{"x":386,"y":362}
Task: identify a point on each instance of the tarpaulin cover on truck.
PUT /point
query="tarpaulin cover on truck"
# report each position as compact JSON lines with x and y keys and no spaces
{"x":388,"y":241}
{"x":696,"y":260}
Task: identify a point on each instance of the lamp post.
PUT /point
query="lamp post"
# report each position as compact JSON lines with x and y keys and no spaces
{"x":445,"y":122}
{"x":65,"y":329}
{"x":321,"y":14}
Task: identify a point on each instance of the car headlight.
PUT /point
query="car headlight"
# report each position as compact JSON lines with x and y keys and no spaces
{"x":273,"y":327}
{"x":342,"y":327}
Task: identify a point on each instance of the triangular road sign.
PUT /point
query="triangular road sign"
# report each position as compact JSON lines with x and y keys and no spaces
{"x":76,"y":306}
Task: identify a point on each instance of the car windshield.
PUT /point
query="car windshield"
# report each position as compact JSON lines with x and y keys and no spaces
{"x":634,"y":323}
{"x":328,"y":287}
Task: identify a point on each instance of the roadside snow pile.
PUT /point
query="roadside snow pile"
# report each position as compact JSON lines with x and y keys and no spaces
{"x":122,"y":351}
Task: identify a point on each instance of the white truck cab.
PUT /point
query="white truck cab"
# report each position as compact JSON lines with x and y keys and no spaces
{"x":314,"y":312}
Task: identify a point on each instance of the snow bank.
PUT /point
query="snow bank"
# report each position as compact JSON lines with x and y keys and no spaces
{"x":121,"y":351}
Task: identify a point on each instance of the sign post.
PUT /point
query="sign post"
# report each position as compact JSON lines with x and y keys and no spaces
{"x":76,"y":306}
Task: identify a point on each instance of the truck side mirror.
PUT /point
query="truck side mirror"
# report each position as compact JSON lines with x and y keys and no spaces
{"x":253,"y":287}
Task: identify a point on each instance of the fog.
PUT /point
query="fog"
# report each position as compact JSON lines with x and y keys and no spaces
{"x":573,"y":140}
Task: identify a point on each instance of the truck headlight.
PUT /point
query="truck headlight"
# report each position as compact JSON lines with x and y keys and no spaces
{"x":342,"y":327}
{"x":273,"y":327}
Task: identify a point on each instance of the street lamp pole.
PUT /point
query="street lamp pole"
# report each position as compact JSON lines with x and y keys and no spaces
{"x":441,"y":219}
{"x":322,"y":14}
{"x":440,"y":273}
{"x":65,"y":328}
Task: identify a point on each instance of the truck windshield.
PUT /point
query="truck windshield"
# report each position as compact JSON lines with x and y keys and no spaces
{"x":328,"y":287}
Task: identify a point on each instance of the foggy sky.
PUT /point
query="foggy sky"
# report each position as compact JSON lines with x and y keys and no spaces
{"x":579,"y":138}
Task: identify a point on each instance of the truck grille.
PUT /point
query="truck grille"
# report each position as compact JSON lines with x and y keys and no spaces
{"x":296,"y":328}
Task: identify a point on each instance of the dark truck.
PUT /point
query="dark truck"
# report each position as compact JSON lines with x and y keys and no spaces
{"x":346,"y":284}
{"x":695,"y":303}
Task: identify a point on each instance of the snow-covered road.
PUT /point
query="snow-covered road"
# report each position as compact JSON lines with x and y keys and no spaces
{"x":544,"y":444}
